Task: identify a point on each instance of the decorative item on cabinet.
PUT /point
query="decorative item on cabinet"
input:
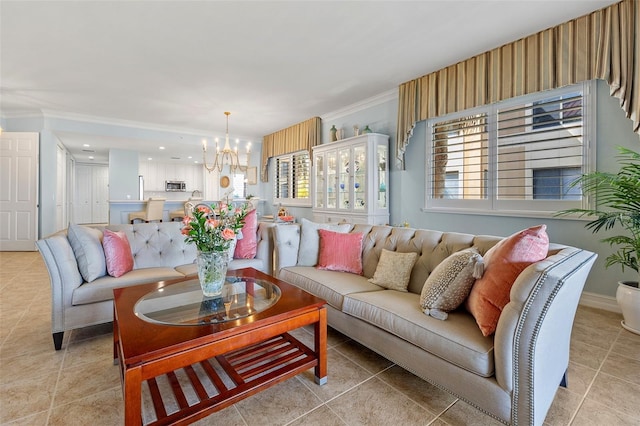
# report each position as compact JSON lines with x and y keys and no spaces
{"x":333,"y":132}
{"x":356,"y":130}
{"x":366,"y":130}
{"x":339,"y":134}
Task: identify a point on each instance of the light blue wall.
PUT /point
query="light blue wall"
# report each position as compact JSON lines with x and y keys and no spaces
{"x":123,"y":174}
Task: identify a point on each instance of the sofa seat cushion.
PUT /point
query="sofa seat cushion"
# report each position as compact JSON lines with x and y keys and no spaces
{"x":247,"y":263}
{"x":331,"y":286}
{"x":102,"y":288}
{"x":457,"y":340}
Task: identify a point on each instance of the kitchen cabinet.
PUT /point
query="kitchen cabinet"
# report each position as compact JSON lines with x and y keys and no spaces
{"x":350,"y":180}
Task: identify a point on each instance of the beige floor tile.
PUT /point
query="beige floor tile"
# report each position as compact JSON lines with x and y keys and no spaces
{"x":601,"y":337}
{"x":97,"y":349}
{"x":622,"y":367}
{"x":342,"y":376}
{"x":321,"y":416}
{"x":627,"y":344}
{"x":37,"y":419}
{"x":227,"y":417}
{"x":564,"y":406}
{"x":278,"y":405}
{"x":25,"y":397}
{"x":596,"y":318}
{"x":616,"y":394}
{"x":374,"y":403}
{"x":587,"y":355}
{"x":104,"y":408}
{"x":462,"y":413}
{"x":29,"y":366}
{"x":364,"y":357}
{"x":593,"y":413}
{"x":85,"y":379}
{"x":428,"y":396}
{"x":579,"y":378}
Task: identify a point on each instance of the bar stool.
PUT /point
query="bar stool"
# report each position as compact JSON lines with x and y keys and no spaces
{"x":154,"y":211}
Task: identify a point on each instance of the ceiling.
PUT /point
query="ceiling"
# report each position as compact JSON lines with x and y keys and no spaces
{"x":179,"y":65}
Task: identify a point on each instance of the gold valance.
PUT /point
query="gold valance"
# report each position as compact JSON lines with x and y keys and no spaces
{"x":301,"y":136}
{"x":604,"y":44}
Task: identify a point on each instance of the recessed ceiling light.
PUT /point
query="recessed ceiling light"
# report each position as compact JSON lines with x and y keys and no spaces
{"x":149,"y":158}
{"x":91,"y":157}
{"x":189,"y":157}
{"x":85,"y":144}
{"x":162,"y":147}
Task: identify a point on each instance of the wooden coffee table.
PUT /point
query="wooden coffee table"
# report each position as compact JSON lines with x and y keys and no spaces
{"x":189,"y":356}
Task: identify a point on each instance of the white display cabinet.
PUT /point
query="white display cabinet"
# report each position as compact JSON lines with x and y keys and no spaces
{"x":350,"y":180}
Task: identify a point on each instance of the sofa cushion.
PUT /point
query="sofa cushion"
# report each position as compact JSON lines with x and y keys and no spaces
{"x":503,"y":263}
{"x":394,"y":270}
{"x":450,"y":283}
{"x":340,"y":252}
{"x":310,"y":240}
{"x":331,"y":286}
{"x":102,"y":288}
{"x":117,"y":253}
{"x":457,"y":340}
{"x":247,"y":246}
{"x":86,"y":243}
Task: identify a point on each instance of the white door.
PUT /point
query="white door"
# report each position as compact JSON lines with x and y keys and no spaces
{"x":18,"y":191}
{"x":100,"y":192}
{"x":61,"y":181}
{"x":83,"y":204}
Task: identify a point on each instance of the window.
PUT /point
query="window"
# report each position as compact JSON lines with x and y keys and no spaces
{"x":517,"y":155}
{"x":292,"y":175}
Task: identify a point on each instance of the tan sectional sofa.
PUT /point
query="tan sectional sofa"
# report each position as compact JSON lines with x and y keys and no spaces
{"x":159,"y":252}
{"x":512,"y":375}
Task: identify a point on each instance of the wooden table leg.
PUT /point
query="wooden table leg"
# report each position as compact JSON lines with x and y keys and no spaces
{"x":320,"y":341}
{"x":132,"y":395}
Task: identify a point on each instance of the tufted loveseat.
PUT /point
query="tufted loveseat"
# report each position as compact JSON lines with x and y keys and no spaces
{"x":512,"y":375}
{"x":159,"y":252}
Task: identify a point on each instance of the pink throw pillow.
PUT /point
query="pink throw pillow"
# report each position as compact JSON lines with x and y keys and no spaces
{"x":247,"y":247}
{"x":117,"y":253}
{"x":502,"y":265}
{"x":340,"y":252}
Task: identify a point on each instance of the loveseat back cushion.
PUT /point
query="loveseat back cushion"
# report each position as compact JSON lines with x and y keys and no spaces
{"x":102,"y":288}
{"x":157,"y":244}
{"x":456,"y":340}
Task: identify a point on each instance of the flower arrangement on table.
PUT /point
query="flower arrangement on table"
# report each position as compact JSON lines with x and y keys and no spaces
{"x":213,"y":228}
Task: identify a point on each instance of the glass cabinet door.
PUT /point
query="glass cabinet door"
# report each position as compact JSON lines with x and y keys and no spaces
{"x":344,"y":176}
{"x":381,"y":157}
{"x":320,"y":184}
{"x":359,"y":177}
{"x":332,"y":179}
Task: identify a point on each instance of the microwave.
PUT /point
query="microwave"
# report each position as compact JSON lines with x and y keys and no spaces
{"x":175,"y":186}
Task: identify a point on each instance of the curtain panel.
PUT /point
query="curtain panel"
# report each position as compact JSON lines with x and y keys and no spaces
{"x":604,"y":45}
{"x":301,"y":136}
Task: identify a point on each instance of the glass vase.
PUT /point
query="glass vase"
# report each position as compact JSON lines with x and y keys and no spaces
{"x":212,"y":270}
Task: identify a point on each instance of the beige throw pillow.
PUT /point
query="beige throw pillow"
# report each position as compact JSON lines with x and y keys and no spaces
{"x":394,"y":270}
{"x":450,"y":283}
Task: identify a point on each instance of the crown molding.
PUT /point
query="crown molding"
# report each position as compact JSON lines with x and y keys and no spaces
{"x":359,"y":106}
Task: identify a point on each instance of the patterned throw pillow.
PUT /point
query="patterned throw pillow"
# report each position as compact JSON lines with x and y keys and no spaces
{"x":394,"y":270}
{"x":450,"y":283}
{"x":503,"y":264}
{"x":340,"y":252}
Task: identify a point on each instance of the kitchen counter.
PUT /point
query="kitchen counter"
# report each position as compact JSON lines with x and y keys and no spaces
{"x":119,"y":209}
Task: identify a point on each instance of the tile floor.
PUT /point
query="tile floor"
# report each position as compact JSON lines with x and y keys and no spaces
{"x":79,"y":385}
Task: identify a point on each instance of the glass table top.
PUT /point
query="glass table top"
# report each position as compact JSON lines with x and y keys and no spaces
{"x":184,"y":304}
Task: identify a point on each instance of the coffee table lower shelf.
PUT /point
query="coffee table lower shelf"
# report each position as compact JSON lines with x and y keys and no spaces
{"x":189,"y":393}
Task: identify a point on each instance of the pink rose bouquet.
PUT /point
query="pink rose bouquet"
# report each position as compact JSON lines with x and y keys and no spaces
{"x":212,"y":228}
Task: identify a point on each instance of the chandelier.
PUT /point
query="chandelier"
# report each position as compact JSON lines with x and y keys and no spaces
{"x":226,"y":156}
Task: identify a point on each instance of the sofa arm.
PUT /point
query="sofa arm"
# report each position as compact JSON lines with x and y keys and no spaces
{"x":64,"y":276}
{"x":534,"y":331}
{"x":264,"y":250}
{"x":286,"y":239}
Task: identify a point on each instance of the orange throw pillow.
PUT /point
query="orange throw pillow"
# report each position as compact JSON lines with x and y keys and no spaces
{"x":502,"y":265}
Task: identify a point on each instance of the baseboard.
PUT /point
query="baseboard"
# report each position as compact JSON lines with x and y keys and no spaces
{"x":599,"y":301}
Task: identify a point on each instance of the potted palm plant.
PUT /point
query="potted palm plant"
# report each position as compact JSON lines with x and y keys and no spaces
{"x":618,"y":207}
